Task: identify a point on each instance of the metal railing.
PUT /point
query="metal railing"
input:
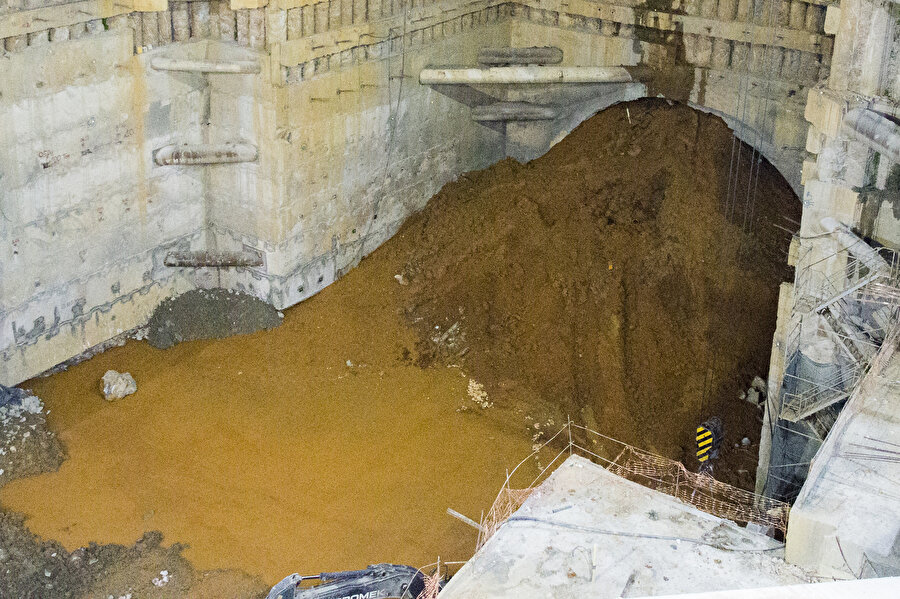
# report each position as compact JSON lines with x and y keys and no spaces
{"x":659,"y":473}
{"x":855,"y":300}
{"x":819,"y":394}
{"x":844,"y":272}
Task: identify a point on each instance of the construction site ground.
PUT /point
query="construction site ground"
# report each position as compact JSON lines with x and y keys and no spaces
{"x":607,"y":282}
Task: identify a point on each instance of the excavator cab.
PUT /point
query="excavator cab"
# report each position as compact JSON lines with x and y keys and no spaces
{"x":380,"y":581}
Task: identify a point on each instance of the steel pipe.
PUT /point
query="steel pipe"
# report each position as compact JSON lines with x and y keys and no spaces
{"x":524,"y":74}
{"x":206,"y":259}
{"x":206,"y":66}
{"x":875,"y":130}
{"x":204,"y":154}
{"x":507,"y":56}
{"x":856,"y":245}
{"x":513,"y":111}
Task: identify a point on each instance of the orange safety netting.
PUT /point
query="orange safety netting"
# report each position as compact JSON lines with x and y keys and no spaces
{"x":661,"y":474}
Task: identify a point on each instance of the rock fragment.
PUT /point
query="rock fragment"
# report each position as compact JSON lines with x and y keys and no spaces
{"x":117,"y":385}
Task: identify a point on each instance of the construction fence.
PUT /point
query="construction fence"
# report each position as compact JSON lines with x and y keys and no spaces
{"x":661,"y":474}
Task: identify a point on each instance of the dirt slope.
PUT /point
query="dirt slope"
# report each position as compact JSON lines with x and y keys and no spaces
{"x":603,"y":279}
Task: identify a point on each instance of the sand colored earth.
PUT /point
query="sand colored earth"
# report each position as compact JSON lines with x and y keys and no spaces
{"x":268,"y":453}
{"x":603,"y":281}
{"x":600,"y":282}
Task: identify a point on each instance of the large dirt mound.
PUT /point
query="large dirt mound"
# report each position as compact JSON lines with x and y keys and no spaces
{"x":603,"y":280}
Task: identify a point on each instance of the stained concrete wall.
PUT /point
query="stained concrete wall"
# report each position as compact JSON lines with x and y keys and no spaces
{"x":84,"y":217}
{"x":349,"y":144}
{"x":750,"y":63}
{"x":348,"y":148}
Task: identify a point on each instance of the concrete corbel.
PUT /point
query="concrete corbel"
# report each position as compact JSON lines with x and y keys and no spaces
{"x":150,"y":5}
{"x":239,"y":4}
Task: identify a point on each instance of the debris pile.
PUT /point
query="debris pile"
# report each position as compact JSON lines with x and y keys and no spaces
{"x":209,"y":314}
{"x":27,"y":446}
{"x":756,"y":394}
{"x":603,"y":281}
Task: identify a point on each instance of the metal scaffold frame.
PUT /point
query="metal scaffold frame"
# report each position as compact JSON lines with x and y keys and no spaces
{"x":852,"y":297}
{"x":855,"y":302}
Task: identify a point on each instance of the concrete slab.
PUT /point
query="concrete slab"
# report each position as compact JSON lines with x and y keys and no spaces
{"x":872,"y":588}
{"x":846,"y":520}
{"x":614,"y":538}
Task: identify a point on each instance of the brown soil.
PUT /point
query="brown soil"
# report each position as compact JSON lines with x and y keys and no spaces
{"x":316,"y":446}
{"x":602,"y":281}
{"x":32,"y":568}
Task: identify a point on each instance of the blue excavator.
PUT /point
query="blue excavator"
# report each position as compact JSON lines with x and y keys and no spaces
{"x":381,"y":581}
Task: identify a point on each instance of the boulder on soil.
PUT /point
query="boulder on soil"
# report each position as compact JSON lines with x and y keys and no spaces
{"x":117,"y":385}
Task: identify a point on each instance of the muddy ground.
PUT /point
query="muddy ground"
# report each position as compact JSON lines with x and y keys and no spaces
{"x":601,"y":282}
{"x":604,"y":282}
{"x":33,"y":568}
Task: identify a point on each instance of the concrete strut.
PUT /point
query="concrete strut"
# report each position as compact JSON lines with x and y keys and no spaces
{"x":206,"y":66}
{"x":206,"y":259}
{"x":875,"y":130}
{"x":513,"y":111}
{"x":507,"y":56}
{"x":856,"y":245}
{"x":205,"y":154}
{"x":524,"y":74}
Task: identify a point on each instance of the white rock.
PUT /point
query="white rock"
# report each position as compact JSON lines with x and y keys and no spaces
{"x":759,"y":384}
{"x":753,"y":396}
{"x":162,"y":580}
{"x":745,"y":442}
{"x":117,"y":385}
{"x":32,"y":404}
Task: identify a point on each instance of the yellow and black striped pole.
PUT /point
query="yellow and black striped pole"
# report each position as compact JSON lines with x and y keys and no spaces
{"x":709,"y":438}
{"x":704,"y":443}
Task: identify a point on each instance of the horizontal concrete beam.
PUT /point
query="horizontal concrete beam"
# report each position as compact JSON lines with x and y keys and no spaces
{"x":206,"y":66}
{"x":532,"y":55}
{"x":207,"y":259}
{"x":523,"y":75}
{"x":205,"y":154}
{"x":857,"y":246}
{"x":875,"y":130}
{"x":513,"y":111}
{"x":795,"y":39}
{"x":240,"y":4}
{"x":41,"y":19}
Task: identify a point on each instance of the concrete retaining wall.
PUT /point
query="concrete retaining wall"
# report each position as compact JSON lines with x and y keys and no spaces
{"x":343,"y":131}
{"x":85,"y":219}
{"x":88,"y":217}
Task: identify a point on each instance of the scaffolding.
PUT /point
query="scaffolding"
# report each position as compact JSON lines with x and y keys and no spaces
{"x":665,"y":475}
{"x":849,"y":298}
{"x":852,"y":297}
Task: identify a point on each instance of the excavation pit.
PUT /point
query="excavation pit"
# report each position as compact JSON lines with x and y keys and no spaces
{"x":607,"y":282}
